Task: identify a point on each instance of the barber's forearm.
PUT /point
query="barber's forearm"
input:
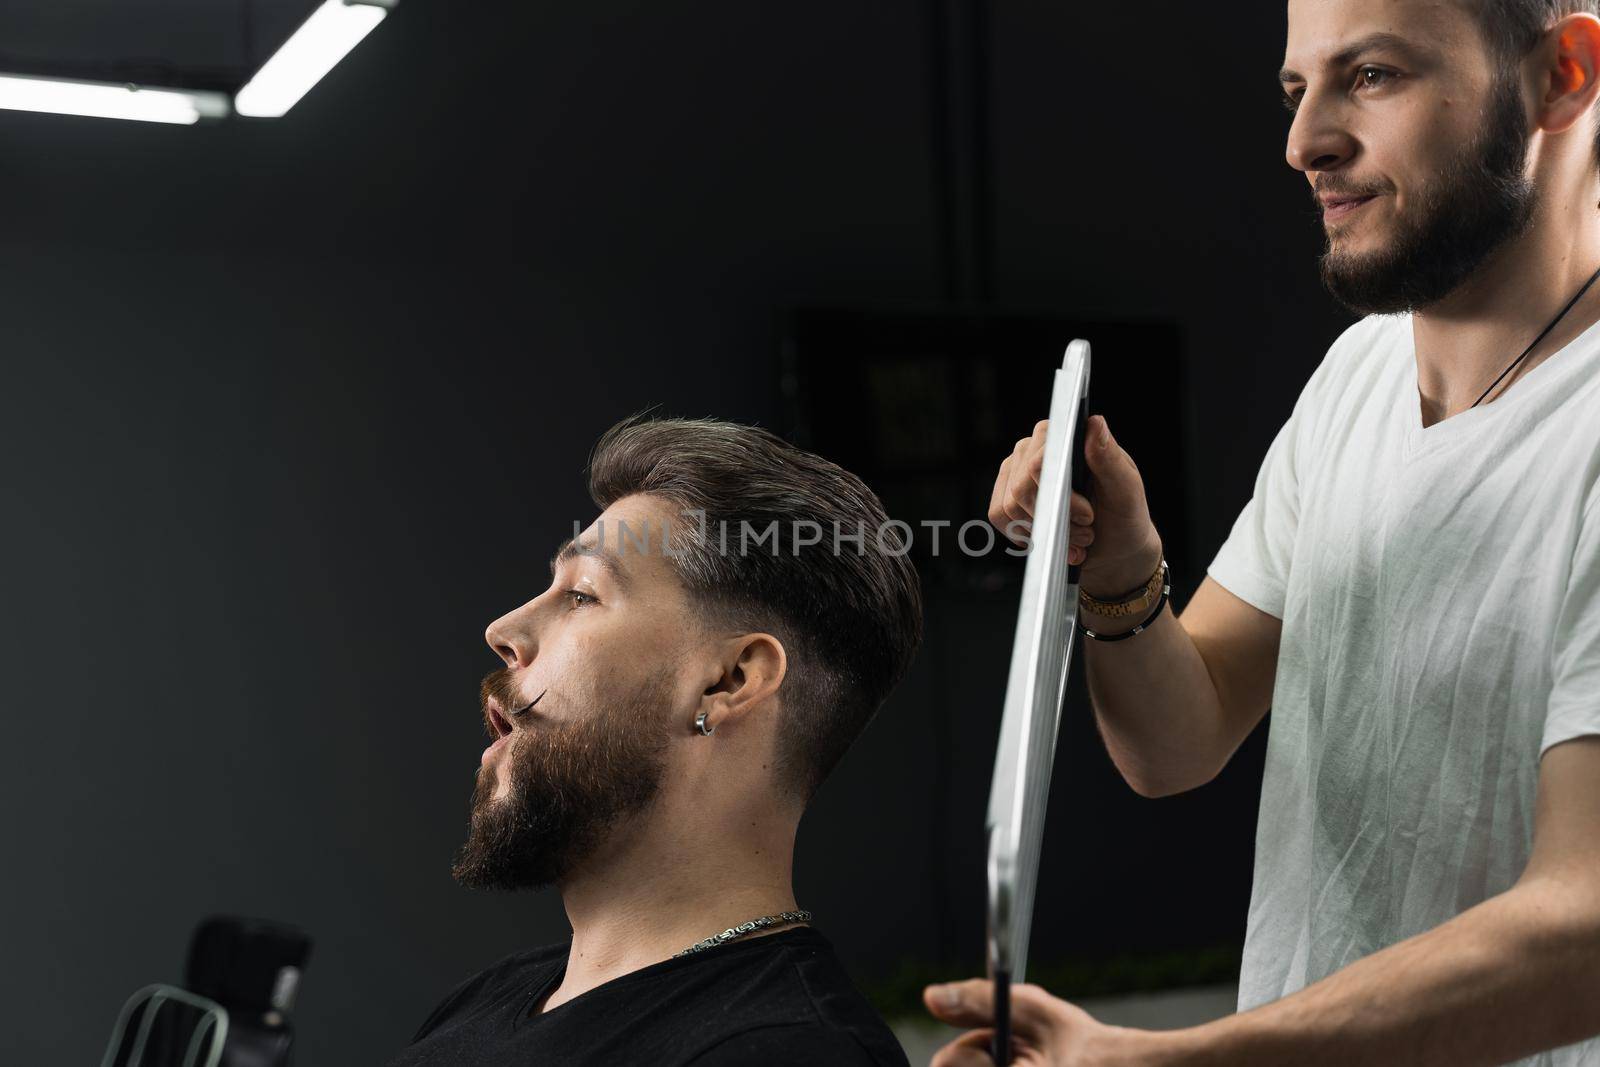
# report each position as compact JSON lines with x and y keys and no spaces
{"x":1155,"y":704}
{"x":1512,"y":976}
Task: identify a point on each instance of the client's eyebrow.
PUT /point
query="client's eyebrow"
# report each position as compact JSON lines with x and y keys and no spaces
{"x":572,"y":547}
{"x":1354,"y":51}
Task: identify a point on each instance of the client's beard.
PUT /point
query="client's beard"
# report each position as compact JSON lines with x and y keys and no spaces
{"x":1482,"y":201}
{"x":571,"y":783}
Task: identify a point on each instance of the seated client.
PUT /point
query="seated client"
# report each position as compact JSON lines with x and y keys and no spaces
{"x":706,"y":651}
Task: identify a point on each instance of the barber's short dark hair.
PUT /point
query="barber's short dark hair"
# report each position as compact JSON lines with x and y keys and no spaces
{"x":848,"y":612}
{"x":1514,"y":27}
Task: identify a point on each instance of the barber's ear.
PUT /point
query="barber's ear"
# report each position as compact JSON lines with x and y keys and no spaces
{"x":1573,"y":70}
{"x":750,"y":668}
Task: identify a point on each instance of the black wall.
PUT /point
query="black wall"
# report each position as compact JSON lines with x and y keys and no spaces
{"x":292,"y":409}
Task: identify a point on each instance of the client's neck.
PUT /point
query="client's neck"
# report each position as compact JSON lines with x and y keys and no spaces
{"x":667,"y":884}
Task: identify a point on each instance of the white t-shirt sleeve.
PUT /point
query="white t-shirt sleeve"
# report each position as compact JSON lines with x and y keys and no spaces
{"x":1574,"y":708}
{"x":1253,"y":563}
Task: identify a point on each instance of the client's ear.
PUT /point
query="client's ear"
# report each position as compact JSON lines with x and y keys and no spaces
{"x":750,"y":668}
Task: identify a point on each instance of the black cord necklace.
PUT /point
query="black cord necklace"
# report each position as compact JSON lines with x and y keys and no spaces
{"x":1546,"y":332}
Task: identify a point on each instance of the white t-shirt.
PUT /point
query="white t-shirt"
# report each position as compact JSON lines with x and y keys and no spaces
{"x":1440,"y":596}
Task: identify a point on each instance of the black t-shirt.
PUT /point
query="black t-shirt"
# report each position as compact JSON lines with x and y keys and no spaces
{"x":777,"y":1001}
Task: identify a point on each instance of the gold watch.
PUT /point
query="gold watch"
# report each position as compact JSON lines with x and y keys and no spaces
{"x":1134,"y":602}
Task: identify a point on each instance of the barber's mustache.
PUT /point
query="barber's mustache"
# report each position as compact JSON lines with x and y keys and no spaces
{"x":1329,"y":186}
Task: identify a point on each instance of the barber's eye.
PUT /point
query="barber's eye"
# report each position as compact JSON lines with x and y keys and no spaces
{"x":579,"y":599}
{"x":1372,"y":77}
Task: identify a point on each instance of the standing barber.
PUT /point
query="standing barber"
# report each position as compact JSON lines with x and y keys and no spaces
{"x":1414,"y":587}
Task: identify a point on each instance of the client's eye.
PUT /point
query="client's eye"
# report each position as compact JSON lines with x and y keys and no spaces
{"x":580,"y":598}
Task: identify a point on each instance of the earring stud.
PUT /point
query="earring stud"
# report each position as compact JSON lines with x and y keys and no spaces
{"x":700,"y":724}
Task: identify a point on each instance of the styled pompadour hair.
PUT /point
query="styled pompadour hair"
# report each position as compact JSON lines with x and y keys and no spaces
{"x":848,"y":612}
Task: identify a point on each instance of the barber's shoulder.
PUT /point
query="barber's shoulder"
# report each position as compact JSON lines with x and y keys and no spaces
{"x":1374,"y":336}
{"x":1360,"y":351}
{"x":1368,"y":327}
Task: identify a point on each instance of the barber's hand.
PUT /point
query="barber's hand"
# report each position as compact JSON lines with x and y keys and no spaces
{"x":1045,"y":1032}
{"x":1113,"y":537}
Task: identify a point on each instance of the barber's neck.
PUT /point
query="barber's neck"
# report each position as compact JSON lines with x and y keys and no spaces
{"x":676,"y":876}
{"x":1465,"y":341}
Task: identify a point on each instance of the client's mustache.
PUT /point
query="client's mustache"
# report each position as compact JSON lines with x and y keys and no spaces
{"x":501,"y":687}
{"x":529,"y":704}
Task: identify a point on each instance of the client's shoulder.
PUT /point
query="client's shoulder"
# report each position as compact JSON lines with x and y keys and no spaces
{"x":517,"y":964}
{"x":485,"y":985}
{"x":802,"y":1045}
{"x":801,"y":1008}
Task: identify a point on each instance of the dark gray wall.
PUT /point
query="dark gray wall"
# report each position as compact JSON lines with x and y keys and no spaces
{"x":292,"y":410}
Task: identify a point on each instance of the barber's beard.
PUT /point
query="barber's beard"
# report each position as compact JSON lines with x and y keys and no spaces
{"x":1479,"y":203}
{"x":572,"y":783}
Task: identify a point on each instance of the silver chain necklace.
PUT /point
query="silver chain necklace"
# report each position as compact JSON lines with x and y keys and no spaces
{"x":745,"y":929}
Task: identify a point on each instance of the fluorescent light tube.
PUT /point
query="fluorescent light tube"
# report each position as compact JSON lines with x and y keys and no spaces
{"x":106,"y":100}
{"x":321,"y":41}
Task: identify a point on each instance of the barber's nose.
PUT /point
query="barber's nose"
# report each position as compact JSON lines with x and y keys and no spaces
{"x":512,"y":638}
{"x":1316,"y":142}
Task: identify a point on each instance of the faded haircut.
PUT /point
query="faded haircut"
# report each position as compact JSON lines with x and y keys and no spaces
{"x":850,"y":619}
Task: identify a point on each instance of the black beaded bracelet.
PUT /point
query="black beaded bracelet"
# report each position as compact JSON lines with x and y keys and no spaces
{"x":1161,"y":602}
